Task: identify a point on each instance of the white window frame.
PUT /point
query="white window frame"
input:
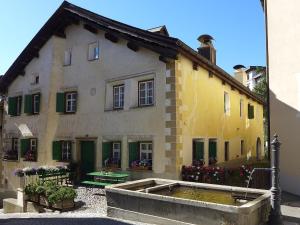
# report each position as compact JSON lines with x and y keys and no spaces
{"x":33,"y":144}
{"x":148,"y":150}
{"x":118,"y":96}
{"x":34,"y":101}
{"x":116,"y":149}
{"x":66,"y":150}
{"x":226,"y":103}
{"x":72,"y":101}
{"x":147,"y":96}
{"x":93,"y":51}
{"x":68,"y":57}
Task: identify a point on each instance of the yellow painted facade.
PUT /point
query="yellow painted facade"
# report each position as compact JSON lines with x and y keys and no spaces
{"x":203,"y":115}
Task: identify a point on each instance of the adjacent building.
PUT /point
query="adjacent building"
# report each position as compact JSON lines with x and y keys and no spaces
{"x":94,"y":91}
{"x":283,"y":33}
{"x":254,"y":75}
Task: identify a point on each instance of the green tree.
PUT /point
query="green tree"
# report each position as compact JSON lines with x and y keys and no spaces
{"x":261,"y":89}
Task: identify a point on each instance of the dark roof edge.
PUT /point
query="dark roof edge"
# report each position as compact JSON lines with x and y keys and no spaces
{"x":223,"y":75}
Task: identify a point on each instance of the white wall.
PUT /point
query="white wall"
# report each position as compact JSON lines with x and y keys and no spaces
{"x":284,"y":70}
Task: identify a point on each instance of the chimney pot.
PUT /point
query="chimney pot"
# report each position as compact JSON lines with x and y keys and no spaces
{"x":206,"y":48}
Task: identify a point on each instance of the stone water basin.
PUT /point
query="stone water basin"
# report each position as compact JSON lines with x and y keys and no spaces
{"x":162,"y":201}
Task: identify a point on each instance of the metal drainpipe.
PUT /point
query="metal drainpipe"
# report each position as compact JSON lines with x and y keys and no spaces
{"x":275,"y":217}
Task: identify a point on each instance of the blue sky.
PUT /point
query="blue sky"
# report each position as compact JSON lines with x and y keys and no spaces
{"x":237,"y":26}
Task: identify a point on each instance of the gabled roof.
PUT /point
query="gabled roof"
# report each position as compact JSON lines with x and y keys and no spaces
{"x":67,"y":14}
{"x":160,"y":30}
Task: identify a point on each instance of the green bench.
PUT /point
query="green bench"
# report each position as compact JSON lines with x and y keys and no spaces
{"x":95,"y":183}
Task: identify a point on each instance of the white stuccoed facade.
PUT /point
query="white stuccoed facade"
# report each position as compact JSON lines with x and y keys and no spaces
{"x":94,"y":118}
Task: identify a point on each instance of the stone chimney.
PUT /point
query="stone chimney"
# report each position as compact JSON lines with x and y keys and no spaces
{"x":207,"y":48}
{"x":240,"y":74}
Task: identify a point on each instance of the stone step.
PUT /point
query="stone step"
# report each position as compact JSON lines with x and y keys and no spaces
{"x":10,"y":205}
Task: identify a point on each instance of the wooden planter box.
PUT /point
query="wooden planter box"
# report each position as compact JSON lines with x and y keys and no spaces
{"x":44,"y":201}
{"x":33,"y":198}
{"x":64,"y":205}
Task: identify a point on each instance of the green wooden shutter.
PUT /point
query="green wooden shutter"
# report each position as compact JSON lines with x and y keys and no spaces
{"x":250,"y":111}
{"x":25,"y":144}
{"x":199,"y":150}
{"x":133,"y":152}
{"x":60,"y":102}
{"x":212,"y":149}
{"x":12,"y":106}
{"x":106,"y":151}
{"x":38,"y":99}
{"x":56,"y":150}
{"x":28,"y":104}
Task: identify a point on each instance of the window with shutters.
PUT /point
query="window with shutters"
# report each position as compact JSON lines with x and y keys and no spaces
{"x":140,"y":155}
{"x":198,"y":152}
{"x":242,"y":147}
{"x":116,"y":150}
{"x":36,"y":103}
{"x":11,"y":152}
{"x":67,"y":57}
{"x":15,"y":105}
{"x":70,"y":102}
{"x":32,"y":104}
{"x":226,"y":151}
{"x":146,"y":93}
{"x":118,"y":98}
{"x":145,"y":151}
{"x":93,"y":51}
{"x":241,"y":108}
{"x":212,"y":151}
{"x":226,"y":103}
{"x":250,"y":111}
{"x":66,"y":150}
{"x":29,"y":149}
{"x":111,"y":154}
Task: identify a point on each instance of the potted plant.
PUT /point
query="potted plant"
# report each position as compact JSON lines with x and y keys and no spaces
{"x":49,"y":188}
{"x":30,"y":191}
{"x":63,"y":198}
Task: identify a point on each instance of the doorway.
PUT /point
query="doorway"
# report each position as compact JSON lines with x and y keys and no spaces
{"x":87,"y":155}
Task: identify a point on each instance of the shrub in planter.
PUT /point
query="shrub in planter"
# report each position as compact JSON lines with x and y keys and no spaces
{"x":30,"y":191}
{"x":48,"y":188}
{"x":63,"y":198}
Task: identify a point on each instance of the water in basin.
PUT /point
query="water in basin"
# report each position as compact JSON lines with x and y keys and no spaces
{"x":140,"y":186}
{"x":205,"y":195}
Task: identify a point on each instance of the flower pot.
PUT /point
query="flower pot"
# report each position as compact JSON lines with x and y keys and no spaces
{"x":65,"y":204}
{"x":33,"y":198}
{"x":43,"y":200}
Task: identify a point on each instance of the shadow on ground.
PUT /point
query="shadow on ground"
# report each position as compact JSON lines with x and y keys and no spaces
{"x":62,"y":221}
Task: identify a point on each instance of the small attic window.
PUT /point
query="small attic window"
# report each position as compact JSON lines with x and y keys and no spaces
{"x":35,"y":79}
{"x":67,"y":57}
{"x":93,"y":51}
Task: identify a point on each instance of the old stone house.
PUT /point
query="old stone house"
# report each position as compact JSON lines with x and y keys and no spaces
{"x":98,"y":92}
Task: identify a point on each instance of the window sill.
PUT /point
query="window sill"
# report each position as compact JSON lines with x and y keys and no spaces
{"x":10,"y":160}
{"x":142,"y":106}
{"x":91,"y":60}
{"x":140,"y":169}
{"x":114,"y":110}
{"x":27,"y":160}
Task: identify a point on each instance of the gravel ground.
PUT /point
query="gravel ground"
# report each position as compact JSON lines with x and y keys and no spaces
{"x":89,"y":203}
{"x":90,"y":200}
